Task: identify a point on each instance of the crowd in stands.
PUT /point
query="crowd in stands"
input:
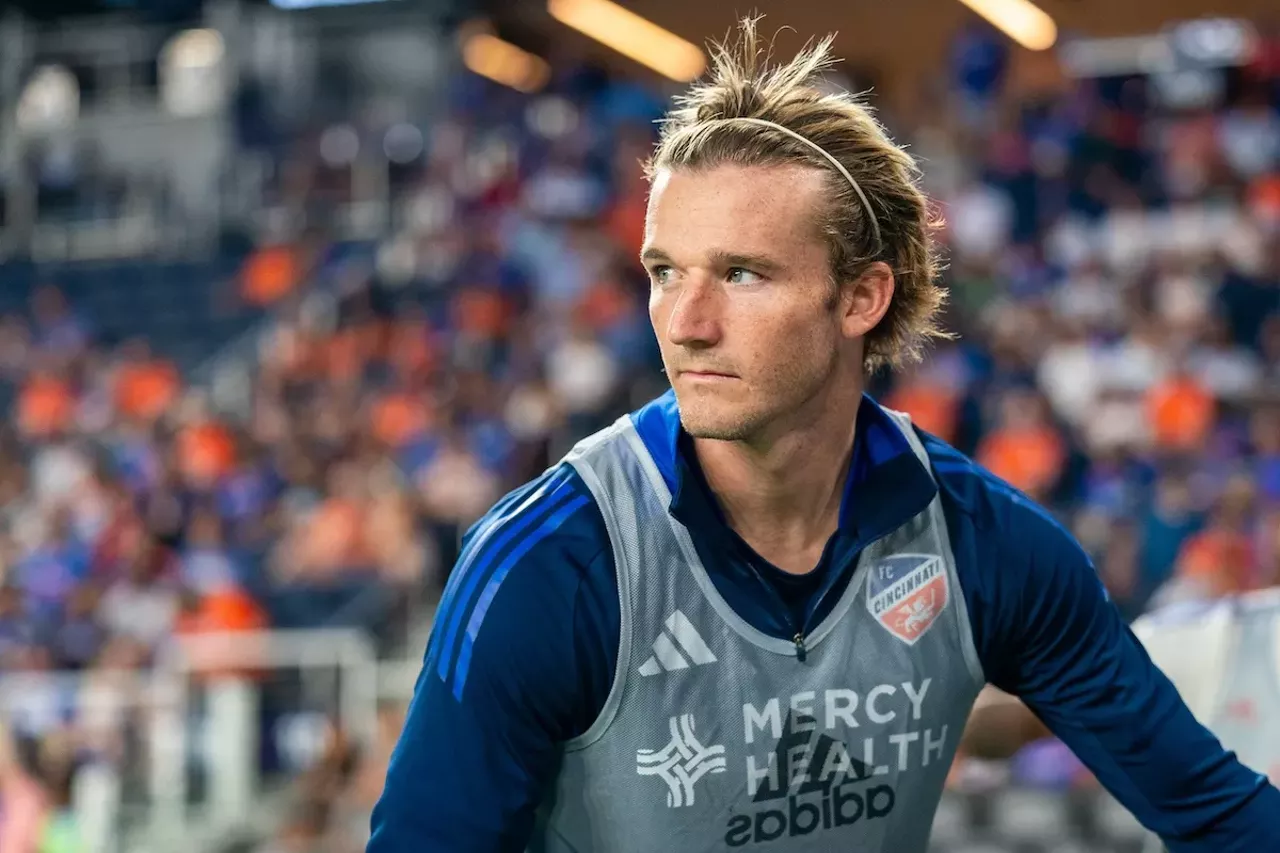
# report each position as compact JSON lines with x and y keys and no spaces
{"x":1115,"y":275}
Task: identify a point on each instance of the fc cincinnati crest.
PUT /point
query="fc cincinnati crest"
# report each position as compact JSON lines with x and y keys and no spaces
{"x":907,"y":593}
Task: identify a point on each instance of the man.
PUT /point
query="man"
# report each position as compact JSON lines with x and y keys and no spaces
{"x":759,"y":609}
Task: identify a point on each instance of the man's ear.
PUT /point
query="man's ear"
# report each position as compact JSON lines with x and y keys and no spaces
{"x":865,"y":300}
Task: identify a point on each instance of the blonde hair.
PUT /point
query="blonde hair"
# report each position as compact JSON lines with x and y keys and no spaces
{"x":751,"y":112}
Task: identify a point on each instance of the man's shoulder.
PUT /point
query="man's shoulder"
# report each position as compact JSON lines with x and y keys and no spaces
{"x":987,"y":507}
{"x":513,"y":592}
{"x":551,"y":517}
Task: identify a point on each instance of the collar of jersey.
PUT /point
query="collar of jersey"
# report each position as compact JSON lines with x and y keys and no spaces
{"x":887,"y":484}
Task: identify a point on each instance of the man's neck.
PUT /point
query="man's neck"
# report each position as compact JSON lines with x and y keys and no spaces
{"x":783,"y":497}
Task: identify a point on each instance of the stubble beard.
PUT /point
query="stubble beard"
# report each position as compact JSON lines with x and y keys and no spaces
{"x":750,"y":420}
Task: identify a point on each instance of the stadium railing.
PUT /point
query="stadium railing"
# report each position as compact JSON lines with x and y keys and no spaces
{"x":141,"y":735}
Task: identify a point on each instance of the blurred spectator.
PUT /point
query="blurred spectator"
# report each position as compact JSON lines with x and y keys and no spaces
{"x":1230,"y":372}
{"x":59,"y":332}
{"x":1264,"y":433}
{"x":979,"y":60}
{"x":1182,"y":412}
{"x":271,"y":273}
{"x":50,"y":572}
{"x":17,"y":630}
{"x":145,"y":386}
{"x":980,"y":219}
{"x":224,"y":612}
{"x":583,"y":375}
{"x":60,"y":832}
{"x":46,"y":406}
{"x":368,"y":780}
{"x":1071,"y":373}
{"x":40,"y":706}
{"x":142,"y":604}
{"x":207,"y":563}
{"x":401,"y":415}
{"x":1223,"y":557}
{"x":930,"y":401}
{"x":330,"y":541}
{"x":1169,"y":522}
{"x":79,"y":635}
{"x":1024,"y":449}
{"x":1247,"y":300}
{"x":1120,"y":572}
{"x":303,"y":831}
{"x":1250,"y":135}
{"x":23,"y":805}
{"x":455,"y":488}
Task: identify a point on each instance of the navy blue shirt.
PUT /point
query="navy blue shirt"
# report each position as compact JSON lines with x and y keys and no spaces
{"x":524,"y":646}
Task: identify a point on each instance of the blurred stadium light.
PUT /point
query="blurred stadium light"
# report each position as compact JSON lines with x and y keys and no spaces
{"x":632,"y":36}
{"x":1021,"y":20}
{"x":489,"y":56}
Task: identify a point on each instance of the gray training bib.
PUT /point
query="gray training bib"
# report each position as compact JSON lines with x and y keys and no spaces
{"x":716,"y":736}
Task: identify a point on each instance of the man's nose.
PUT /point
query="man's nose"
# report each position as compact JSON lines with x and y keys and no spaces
{"x":695,"y":320}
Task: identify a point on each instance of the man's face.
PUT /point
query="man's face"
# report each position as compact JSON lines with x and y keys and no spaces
{"x":741,"y":298}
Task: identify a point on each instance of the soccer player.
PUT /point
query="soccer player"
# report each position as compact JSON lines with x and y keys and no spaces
{"x":758,"y":610}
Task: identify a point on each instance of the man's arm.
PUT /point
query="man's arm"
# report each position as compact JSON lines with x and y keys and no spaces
{"x":998,"y":726}
{"x":1065,"y":651}
{"x":1046,"y":632}
{"x":518,"y":662}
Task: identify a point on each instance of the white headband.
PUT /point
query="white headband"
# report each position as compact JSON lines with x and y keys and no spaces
{"x":866,"y":205}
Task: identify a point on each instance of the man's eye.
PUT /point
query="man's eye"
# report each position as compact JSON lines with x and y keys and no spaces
{"x":660,"y":274}
{"x":738,"y":275}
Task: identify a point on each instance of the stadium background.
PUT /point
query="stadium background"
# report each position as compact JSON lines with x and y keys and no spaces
{"x":291,"y":292}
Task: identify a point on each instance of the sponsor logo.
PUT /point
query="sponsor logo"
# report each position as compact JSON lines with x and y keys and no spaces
{"x":906,"y":593}
{"x":809,"y":782}
{"x":682,"y":762}
{"x":677,"y":647}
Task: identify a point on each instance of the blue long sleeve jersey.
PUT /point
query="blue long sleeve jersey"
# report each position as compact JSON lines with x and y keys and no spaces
{"x":523,"y":650}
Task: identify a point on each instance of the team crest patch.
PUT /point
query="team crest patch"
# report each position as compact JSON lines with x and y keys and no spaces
{"x":907,"y":593}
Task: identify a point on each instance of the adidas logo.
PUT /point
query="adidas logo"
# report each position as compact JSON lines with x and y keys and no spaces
{"x":810,"y":784}
{"x":676,"y":647}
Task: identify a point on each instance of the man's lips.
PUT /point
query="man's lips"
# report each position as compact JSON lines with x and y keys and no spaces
{"x":708,"y":374}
